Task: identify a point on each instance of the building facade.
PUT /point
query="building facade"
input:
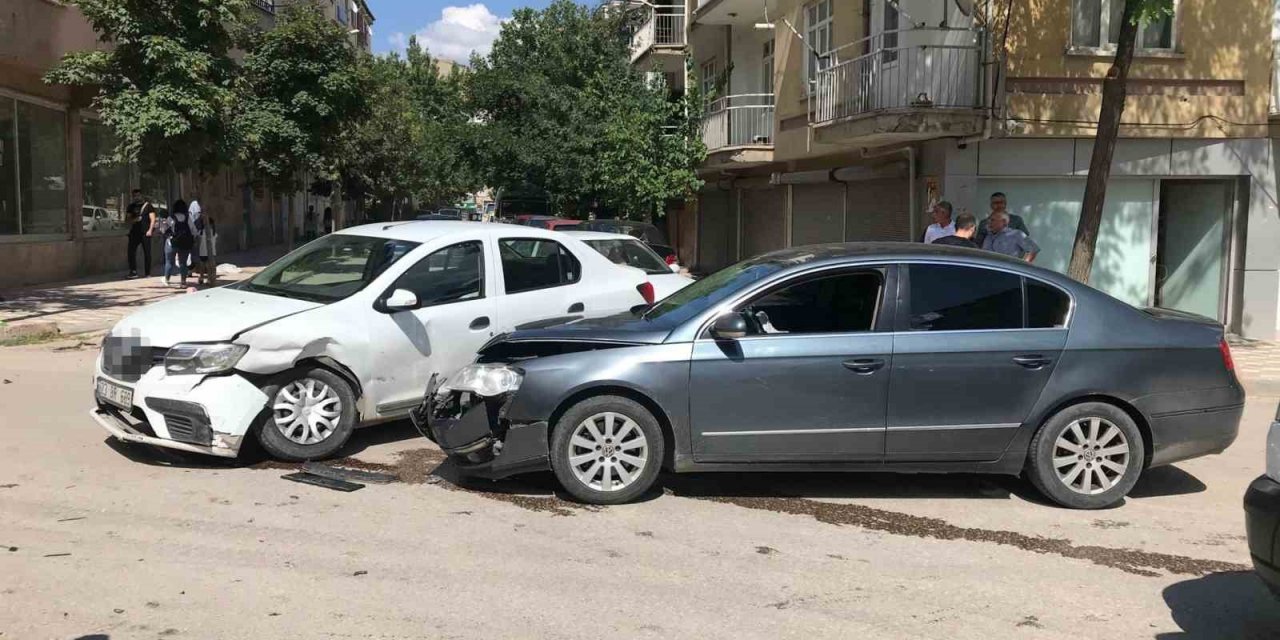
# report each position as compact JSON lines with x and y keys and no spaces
{"x":843,"y":120}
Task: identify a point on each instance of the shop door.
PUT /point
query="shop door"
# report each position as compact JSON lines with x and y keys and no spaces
{"x":1192,"y":245}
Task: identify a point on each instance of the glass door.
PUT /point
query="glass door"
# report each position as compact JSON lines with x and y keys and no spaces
{"x":1192,"y":246}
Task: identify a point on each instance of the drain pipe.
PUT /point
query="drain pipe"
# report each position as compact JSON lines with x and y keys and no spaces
{"x":910,"y":152}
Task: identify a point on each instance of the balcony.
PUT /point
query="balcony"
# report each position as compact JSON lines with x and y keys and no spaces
{"x":268,"y":6}
{"x":901,"y":85}
{"x":663,"y":29}
{"x":738,"y":130}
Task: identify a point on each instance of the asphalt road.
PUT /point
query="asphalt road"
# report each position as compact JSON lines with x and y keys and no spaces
{"x":106,"y":540}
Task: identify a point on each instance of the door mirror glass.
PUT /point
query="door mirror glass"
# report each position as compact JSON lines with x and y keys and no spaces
{"x":730,"y":326}
{"x":400,"y":300}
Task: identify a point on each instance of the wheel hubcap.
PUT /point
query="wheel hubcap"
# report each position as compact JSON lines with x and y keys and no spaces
{"x":1091,"y":455}
{"x":608,"y":451}
{"x":307,"y":411}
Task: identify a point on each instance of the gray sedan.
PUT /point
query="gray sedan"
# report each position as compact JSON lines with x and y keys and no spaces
{"x":853,"y":357}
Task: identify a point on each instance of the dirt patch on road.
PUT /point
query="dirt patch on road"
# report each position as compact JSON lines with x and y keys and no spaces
{"x":1143,"y":563}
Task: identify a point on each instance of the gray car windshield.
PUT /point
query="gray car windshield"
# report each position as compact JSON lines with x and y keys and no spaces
{"x":710,"y":291}
{"x":330,"y":268}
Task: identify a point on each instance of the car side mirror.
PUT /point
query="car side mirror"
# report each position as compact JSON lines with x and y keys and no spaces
{"x":730,"y":326}
{"x":399,"y":300}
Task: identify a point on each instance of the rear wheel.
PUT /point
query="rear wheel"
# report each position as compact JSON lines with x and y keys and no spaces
{"x":1087,"y":456}
{"x":310,"y":414}
{"x":606,"y":450}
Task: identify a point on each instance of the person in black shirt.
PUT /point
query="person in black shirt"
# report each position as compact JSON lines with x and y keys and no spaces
{"x":142,"y":219}
{"x":966,"y":225}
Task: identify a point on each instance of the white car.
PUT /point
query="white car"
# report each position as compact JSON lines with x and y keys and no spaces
{"x":346,"y":330}
{"x":625,"y":250}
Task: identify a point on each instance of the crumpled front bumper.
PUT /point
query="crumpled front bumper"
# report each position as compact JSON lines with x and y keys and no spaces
{"x":194,"y":413}
{"x":479,"y":440}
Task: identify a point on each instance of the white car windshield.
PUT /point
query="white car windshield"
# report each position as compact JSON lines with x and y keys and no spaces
{"x":631,"y":253}
{"x":330,"y":268}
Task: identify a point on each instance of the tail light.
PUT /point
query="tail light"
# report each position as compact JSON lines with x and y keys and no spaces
{"x":646,"y":291}
{"x":671,"y":259}
{"x":1226,"y":355}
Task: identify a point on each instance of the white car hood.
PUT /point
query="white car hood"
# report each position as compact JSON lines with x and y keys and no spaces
{"x":206,"y":316}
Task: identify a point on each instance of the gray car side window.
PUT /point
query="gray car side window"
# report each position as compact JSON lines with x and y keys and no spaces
{"x":842,"y":302}
{"x":949,"y":297}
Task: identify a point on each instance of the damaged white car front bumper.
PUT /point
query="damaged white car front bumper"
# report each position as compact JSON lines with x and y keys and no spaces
{"x":207,"y":414}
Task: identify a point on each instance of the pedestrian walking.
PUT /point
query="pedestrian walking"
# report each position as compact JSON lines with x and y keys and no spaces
{"x":328,"y":220}
{"x":1000,"y":204}
{"x":142,"y":220}
{"x":206,"y":230}
{"x":181,"y":241}
{"x":966,"y":225}
{"x":942,"y":225}
{"x":1003,"y":238}
{"x":163,"y":226}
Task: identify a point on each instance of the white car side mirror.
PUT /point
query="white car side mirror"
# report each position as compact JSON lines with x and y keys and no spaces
{"x":401,"y":300}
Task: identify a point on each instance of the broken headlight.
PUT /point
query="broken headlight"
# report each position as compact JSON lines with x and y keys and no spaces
{"x":202,"y":358}
{"x":484,"y":380}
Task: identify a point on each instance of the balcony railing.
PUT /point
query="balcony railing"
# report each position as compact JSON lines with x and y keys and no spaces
{"x":266,"y":5}
{"x":739,"y":121}
{"x":912,"y":68}
{"x":663,"y":27}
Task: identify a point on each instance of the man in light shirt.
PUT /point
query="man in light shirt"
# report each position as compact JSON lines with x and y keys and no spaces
{"x":1003,"y":238}
{"x":942,"y":225}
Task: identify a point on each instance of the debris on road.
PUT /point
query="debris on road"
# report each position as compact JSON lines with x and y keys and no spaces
{"x":321,"y":481}
{"x":361,"y":573}
{"x":72,"y":519}
{"x":54,"y":555}
{"x":352,"y":475}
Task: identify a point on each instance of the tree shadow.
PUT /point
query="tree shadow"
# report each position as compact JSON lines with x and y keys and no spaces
{"x":1234,"y":604}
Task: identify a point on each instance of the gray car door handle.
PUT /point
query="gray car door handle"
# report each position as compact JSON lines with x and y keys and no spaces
{"x":863,"y":366}
{"x":1032,"y":361}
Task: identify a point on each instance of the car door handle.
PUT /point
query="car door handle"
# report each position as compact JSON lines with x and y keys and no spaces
{"x":577,"y":307}
{"x":1032,"y":361}
{"x":863,"y":366}
{"x":480,"y":323}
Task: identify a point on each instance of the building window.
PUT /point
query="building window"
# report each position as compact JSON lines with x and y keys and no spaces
{"x":1092,"y":19}
{"x":33,"y":169}
{"x":341,"y":11}
{"x":817,"y":33}
{"x":766,"y":68}
{"x":106,"y":184}
{"x":708,"y":80}
{"x":891,"y":21}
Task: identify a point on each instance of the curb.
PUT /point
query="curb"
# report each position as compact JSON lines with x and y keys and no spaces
{"x":25,"y":329}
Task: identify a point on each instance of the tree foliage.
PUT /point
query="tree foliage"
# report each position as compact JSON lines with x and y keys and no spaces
{"x":164,"y":86}
{"x":564,"y":111}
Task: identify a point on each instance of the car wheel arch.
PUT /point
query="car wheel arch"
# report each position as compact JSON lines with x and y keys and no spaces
{"x":1139,"y":419}
{"x":664,"y":421}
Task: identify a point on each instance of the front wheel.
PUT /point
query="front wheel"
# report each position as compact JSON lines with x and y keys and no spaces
{"x":1087,"y":456}
{"x":310,"y":414}
{"x":606,"y":450}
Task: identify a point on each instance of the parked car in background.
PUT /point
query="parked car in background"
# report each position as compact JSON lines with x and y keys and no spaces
{"x":645,"y":232}
{"x":343,"y":331}
{"x":96,"y":219}
{"x":428,"y":215}
{"x":626,"y":250}
{"x":1262,"y":514}
{"x":853,"y":357}
{"x":551,"y":223}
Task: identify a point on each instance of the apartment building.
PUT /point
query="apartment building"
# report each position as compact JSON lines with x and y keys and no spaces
{"x":832,"y":120}
{"x":61,"y":211}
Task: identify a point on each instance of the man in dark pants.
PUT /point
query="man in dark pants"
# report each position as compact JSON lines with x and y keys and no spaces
{"x":142,"y":220}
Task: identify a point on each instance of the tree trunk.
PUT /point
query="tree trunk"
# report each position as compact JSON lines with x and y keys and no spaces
{"x":1104,"y":147}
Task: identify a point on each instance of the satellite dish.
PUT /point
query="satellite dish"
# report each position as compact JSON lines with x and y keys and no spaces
{"x":965,"y":7}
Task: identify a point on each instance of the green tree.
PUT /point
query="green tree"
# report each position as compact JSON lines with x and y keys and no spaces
{"x":164,"y":86}
{"x":1104,"y":146}
{"x":299,"y":89}
{"x":564,"y":112}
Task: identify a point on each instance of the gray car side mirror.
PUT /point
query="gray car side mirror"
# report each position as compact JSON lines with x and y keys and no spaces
{"x":730,"y":326}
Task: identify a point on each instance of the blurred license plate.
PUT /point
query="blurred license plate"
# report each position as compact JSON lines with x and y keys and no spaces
{"x":115,"y":394}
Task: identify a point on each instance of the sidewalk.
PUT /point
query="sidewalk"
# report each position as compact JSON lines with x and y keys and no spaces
{"x":1257,"y":365}
{"x":96,"y":303}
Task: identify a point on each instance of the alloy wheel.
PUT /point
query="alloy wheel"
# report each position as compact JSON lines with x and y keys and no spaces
{"x":608,"y":451}
{"x":307,"y":411}
{"x":1091,"y":455}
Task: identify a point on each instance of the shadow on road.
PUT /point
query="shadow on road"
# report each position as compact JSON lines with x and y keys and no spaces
{"x":849,"y":485}
{"x":1166,"y":481}
{"x":1233,"y":604}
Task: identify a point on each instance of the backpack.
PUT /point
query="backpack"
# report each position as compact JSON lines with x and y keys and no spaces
{"x":182,"y":238}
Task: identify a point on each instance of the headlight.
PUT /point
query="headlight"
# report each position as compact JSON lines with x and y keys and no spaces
{"x":202,"y":358}
{"x":485,"y":380}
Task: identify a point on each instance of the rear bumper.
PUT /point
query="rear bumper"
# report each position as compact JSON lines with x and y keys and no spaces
{"x":1190,"y":434}
{"x":478,"y":439}
{"x":1262,"y":523}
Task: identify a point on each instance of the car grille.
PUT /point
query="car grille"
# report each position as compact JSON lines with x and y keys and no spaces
{"x":127,"y":358}
{"x":185,"y":421}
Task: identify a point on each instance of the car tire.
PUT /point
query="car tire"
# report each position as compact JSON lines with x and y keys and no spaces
{"x":1082,"y":448}
{"x":310,"y":414}
{"x":607,"y":450}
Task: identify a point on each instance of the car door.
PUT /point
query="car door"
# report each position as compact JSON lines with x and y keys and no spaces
{"x":540,"y":279}
{"x":453,"y":318}
{"x":809,"y":383}
{"x":969,"y":361}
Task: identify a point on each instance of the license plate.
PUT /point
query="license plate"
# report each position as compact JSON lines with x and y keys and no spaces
{"x":115,"y":394}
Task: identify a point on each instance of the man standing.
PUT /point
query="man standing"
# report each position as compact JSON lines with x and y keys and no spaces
{"x":966,"y":224}
{"x":1003,"y":238}
{"x":941,"y":226}
{"x":142,"y":221}
{"x":999,"y":203}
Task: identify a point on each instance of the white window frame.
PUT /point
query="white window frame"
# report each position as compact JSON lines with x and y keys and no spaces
{"x":889,"y":38}
{"x":709,"y":71}
{"x":766,"y":67}
{"x":1102,"y":47}
{"x":813,"y":30}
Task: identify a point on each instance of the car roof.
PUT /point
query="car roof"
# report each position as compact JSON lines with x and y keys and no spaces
{"x":836,"y":253}
{"x":424,"y":231}
{"x":600,"y":235}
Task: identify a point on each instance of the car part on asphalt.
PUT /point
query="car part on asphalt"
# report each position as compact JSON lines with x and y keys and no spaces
{"x":350,"y":475}
{"x":323,"y":481}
